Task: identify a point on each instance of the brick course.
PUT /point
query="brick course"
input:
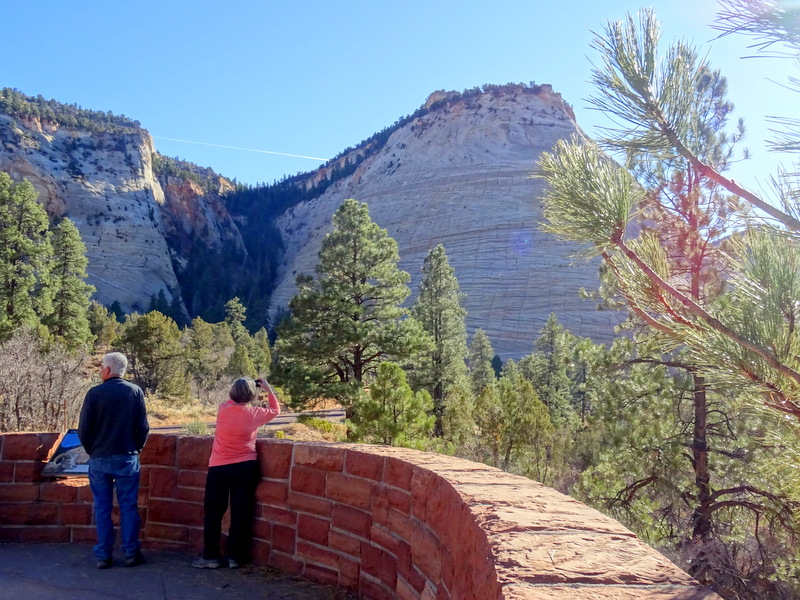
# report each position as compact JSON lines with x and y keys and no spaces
{"x":380,"y":522}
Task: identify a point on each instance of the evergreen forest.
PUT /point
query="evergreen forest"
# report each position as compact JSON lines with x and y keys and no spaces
{"x":686,"y":428}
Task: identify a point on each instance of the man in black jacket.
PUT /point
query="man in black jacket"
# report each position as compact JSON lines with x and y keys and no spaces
{"x":113,"y":429}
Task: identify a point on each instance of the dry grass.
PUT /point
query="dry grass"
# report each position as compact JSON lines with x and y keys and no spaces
{"x":192,"y":412}
{"x":323,"y":404}
{"x":171,"y":411}
{"x":164,"y":411}
{"x":304,"y":433}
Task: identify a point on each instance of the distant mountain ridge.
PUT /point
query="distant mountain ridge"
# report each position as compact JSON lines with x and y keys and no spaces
{"x":456,"y":171}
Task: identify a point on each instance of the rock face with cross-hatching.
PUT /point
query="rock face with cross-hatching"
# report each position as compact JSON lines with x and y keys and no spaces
{"x":463,"y":175}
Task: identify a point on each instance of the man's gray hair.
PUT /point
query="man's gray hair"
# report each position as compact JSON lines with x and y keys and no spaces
{"x":243,"y":390}
{"x":117,"y":362}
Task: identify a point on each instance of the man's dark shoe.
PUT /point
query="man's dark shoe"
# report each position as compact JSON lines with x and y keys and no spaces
{"x":104,"y":563}
{"x":134,"y":560}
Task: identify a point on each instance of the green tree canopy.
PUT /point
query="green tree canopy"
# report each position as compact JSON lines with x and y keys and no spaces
{"x":102,"y":323}
{"x":208,"y":348}
{"x":719,"y":307}
{"x":548,"y":368}
{"x":69,"y":320}
{"x":458,"y":421}
{"x":438,"y":308}
{"x":511,"y":417}
{"x":152,"y":343}
{"x":235,"y":315}
{"x":393,"y":414}
{"x":261,"y":352}
{"x":240,"y":363}
{"x":349,"y":319}
{"x":670,"y":113}
{"x":480,"y":362}
{"x":645,"y":472}
{"x":25,"y":252}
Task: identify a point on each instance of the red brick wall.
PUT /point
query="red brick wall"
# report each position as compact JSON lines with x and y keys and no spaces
{"x":382,"y":522}
{"x":33,"y":509}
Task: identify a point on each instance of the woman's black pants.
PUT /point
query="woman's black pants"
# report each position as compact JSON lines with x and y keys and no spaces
{"x":237,"y":481}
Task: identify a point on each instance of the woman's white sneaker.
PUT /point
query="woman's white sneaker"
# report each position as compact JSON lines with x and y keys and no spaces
{"x":206,"y":563}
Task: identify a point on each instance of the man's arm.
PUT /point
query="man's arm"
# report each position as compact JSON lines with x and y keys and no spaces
{"x":86,"y":433}
{"x":141,"y":427}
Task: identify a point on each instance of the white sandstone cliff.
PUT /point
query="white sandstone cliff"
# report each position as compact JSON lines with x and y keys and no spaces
{"x":461,"y":176}
{"x":104,"y":183}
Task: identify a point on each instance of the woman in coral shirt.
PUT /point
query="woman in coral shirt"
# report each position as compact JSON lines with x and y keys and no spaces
{"x":234,"y":472}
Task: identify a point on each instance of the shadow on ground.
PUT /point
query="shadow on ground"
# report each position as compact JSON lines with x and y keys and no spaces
{"x":67,"y":572}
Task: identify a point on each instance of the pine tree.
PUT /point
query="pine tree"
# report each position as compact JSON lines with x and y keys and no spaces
{"x":152,"y":343}
{"x":458,"y":421}
{"x":489,"y":424}
{"x":102,"y":323}
{"x":497,"y":365}
{"x":349,"y":319}
{"x":116,"y":310}
{"x":160,"y":303}
{"x":393,"y":414}
{"x":24,"y":254}
{"x":438,"y":309}
{"x":644,"y":473}
{"x":260,"y":352}
{"x":675,"y":149}
{"x":669,"y":267}
{"x":235,"y":315}
{"x":511,"y":417}
{"x":208,"y":350}
{"x":548,"y":369}
{"x":480,"y":362}
{"x":69,"y":320}
{"x":240,"y":364}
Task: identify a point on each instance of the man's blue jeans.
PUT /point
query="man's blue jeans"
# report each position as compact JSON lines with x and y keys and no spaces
{"x":106,"y":473}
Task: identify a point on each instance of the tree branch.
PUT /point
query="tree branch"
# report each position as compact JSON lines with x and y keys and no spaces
{"x":630,"y":491}
{"x":701,"y":313}
{"x":708,"y":171}
{"x":641,"y":313}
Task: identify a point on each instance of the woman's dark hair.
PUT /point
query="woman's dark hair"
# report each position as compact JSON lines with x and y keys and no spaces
{"x":243,"y":390}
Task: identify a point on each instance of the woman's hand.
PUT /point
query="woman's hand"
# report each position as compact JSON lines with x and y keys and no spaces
{"x":273,"y":399}
{"x":264,"y":385}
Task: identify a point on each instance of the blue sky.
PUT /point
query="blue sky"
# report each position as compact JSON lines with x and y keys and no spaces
{"x":313,"y":77}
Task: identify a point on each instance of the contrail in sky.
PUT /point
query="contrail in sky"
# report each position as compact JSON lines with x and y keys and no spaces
{"x":157,"y":137}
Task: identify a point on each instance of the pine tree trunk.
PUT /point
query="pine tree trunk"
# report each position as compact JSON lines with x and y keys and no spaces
{"x":438,"y":408}
{"x":702,"y":523}
{"x":701,"y":519}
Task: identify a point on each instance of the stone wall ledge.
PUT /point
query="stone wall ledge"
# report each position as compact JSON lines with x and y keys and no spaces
{"x":380,"y":522}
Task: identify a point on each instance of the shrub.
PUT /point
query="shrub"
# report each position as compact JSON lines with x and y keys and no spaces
{"x":195,"y":428}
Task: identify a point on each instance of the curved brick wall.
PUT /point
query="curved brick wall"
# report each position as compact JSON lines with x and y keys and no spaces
{"x":381,"y":522}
